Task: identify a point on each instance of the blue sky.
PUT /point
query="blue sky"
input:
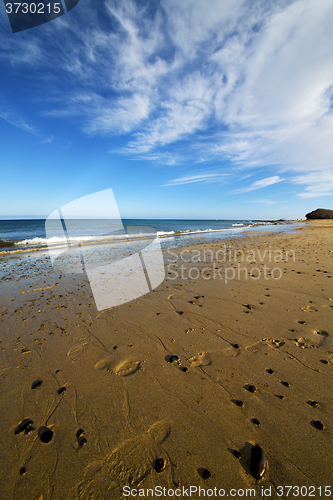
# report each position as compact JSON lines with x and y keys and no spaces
{"x":191,"y":109}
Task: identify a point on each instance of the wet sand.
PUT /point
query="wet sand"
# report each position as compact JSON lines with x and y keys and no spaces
{"x":194,"y":373}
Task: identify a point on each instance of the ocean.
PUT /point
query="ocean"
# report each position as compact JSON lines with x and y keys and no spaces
{"x":25,"y":234}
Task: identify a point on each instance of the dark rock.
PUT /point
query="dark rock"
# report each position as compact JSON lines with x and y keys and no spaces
{"x":258,"y":462}
{"x":320,"y":213}
{"x":159,"y":465}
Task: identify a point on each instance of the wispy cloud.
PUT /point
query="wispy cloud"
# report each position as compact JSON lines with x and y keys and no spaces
{"x":262,"y":183}
{"x":318,"y":184}
{"x":249,"y":84}
{"x":200,"y":178}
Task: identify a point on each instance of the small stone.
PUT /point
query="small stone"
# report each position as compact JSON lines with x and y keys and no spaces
{"x":255,"y":421}
{"x":238,"y":402}
{"x":258,"y":462}
{"x":270,"y":371}
{"x":184,"y":369}
{"x":79,"y":433}
{"x":318,"y":424}
{"x":206,"y":474}
{"x":324,"y":361}
{"x":45,"y":435}
{"x":36,"y":384}
{"x":25,"y":424}
{"x":286,"y":384}
{"x":172,"y":359}
{"x":314,"y":404}
{"x":237,"y":454}
{"x":23,"y":470}
{"x":159,"y":465}
{"x":61,"y":390}
{"x":252,"y":388}
{"x":82,"y":441}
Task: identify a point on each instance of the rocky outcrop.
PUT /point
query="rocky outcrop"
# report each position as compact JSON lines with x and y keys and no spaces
{"x":320,"y":213}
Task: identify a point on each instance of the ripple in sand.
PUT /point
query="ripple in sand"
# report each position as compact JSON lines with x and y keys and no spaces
{"x":36,"y":384}
{"x":45,"y":434}
{"x":258,"y":462}
{"x":25,"y":424}
{"x":159,"y":465}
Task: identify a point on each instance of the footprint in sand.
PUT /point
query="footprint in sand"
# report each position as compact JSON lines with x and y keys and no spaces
{"x":273,"y":343}
{"x":128,"y":464}
{"x":122,"y":368}
{"x":309,"y":309}
{"x":76,"y":351}
{"x":202,"y":359}
{"x":314,"y":340}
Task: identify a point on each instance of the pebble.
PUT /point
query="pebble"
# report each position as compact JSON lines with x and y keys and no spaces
{"x":286,"y":384}
{"x":252,"y":388}
{"x":82,"y":441}
{"x":313,"y":403}
{"x":318,"y":424}
{"x":79,"y":433}
{"x":25,"y":424}
{"x":36,"y":384}
{"x":255,"y":421}
{"x":237,"y":454}
{"x":258,"y":462}
{"x":61,"y":390}
{"x":206,"y":474}
{"x":45,"y":435}
{"x":184,"y":369}
{"x":159,"y":465}
{"x":324,"y":361}
{"x":270,"y":371}
{"x":29,"y":430}
{"x":172,"y":359}
{"x":239,"y":403}
{"x":23,"y":470}
{"x":236,"y":346}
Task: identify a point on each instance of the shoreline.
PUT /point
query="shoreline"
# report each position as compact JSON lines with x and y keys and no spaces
{"x":176,"y":234}
{"x":134,"y":404}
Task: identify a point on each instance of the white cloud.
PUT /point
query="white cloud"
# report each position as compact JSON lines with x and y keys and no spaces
{"x":318,"y":183}
{"x":262,"y":183}
{"x":199,"y":178}
{"x":250,"y":83}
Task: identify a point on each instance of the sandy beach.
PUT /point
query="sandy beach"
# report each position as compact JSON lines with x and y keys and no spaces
{"x":233,"y":349}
